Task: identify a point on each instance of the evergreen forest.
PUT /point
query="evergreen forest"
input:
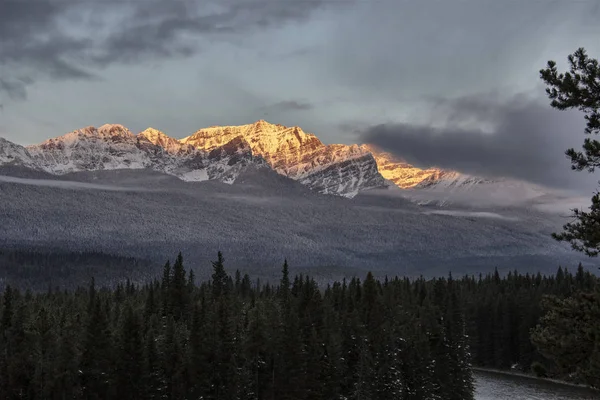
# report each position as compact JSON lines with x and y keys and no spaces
{"x":234,"y":338}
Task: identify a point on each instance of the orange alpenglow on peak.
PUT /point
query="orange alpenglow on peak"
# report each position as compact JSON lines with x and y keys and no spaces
{"x":168,"y":143}
{"x":154,"y":134}
{"x":403,"y":174}
{"x":292,"y":152}
{"x":335,"y":168}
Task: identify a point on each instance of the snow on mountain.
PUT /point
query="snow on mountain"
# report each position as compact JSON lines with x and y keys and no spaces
{"x":332,"y":169}
{"x":453,"y":187}
{"x":170,"y":145}
{"x":112,"y":147}
{"x":90,"y":148}
{"x":407,"y":176}
{"x":265,"y":218}
{"x":222,"y":152}
{"x":403,"y":175}
{"x":227,"y":161}
{"x":14,"y":154}
{"x":435,"y":186}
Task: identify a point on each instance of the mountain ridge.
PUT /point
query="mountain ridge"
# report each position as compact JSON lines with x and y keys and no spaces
{"x":336,"y":169}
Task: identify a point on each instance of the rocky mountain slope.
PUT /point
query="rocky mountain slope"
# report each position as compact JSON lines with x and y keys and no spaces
{"x":434,"y":186}
{"x":331,"y":169}
{"x":14,"y":154}
{"x":112,"y":147}
{"x":403,"y":175}
{"x":407,"y":176}
{"x":334,"y":168}
{"x":222,"y":152}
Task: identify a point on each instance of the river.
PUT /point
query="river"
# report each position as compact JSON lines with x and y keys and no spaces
{"x":499,"y":386}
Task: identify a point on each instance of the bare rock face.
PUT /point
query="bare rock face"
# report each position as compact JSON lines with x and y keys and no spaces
{"x":157,"y":138}
{"x":90,"y":148}
{"x":331,"y":169}
{"x":112,"y":147}
{"x":14,"y":154}
{"x":404,"y":175}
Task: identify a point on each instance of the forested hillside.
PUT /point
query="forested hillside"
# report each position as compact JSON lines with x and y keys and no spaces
{"x":234,"y":338}
{"x":38,"y":270}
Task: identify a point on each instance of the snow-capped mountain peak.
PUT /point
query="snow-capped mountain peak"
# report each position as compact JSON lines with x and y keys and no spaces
{"x":221,"y":152}
{"x":14,"y":154}
{"x":106,"y":131}
{"x":114,"y":129}
{"x":154,"y":135}
{"x":334,"y":169}
{"x":159,"y":138}
{"x":113,"y":146}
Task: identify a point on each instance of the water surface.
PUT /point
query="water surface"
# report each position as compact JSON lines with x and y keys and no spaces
{"x":498,"y":386}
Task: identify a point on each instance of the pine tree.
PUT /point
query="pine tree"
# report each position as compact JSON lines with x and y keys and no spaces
{"x":96,"y":363}
{"x":178,"y":290}
{"x":7,"y":310}
{"x":43,"y":343}
{"x":129,"y":357}
{"x":255,"y":374}
{"x":173,"y":361}
{"x":67,"y":368}
{"x":461,"y":386}
{"x":219,"y":277}
{"x":199,"y":364}
{"x":578,"y":89}
{"x":284,"y":285}
{"x":21,"y":366}
{"x":165,"y":289}
{"x":153,"y":381}
{"x":568,"y":333}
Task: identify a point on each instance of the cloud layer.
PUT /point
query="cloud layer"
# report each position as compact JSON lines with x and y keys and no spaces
{"x":331,"y":67}
{"x":517,"y":137}
{"x":73,"y":39}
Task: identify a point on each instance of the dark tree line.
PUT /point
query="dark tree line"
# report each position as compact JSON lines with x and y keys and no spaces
{"x":234,"y":338}
{"x":522,"y":322}
{"x":38,"y":270}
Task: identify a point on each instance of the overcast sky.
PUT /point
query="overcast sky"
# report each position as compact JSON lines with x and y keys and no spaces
{"x":408,"y":75}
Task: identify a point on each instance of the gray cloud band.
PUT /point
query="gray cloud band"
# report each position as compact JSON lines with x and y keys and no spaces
{"x":527,"y":141}
{"x":72,"y":39}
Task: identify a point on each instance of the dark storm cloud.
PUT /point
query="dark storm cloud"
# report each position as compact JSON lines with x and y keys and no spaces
{"x":70,"y":39}
{"x":519,"y":138}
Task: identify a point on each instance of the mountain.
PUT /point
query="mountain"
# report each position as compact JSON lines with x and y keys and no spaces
{"x":435,"y":186}
{"x":407,"y":176}
{"x":114,"y":147}
{"x":170,"y":145}
{"x":222,"y":152}
{"x":330,"y":169}
{"x":403,"y":175}
{"x":68,"y":194}
{"x":15,"y":155}
{"x":90,"y":148}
